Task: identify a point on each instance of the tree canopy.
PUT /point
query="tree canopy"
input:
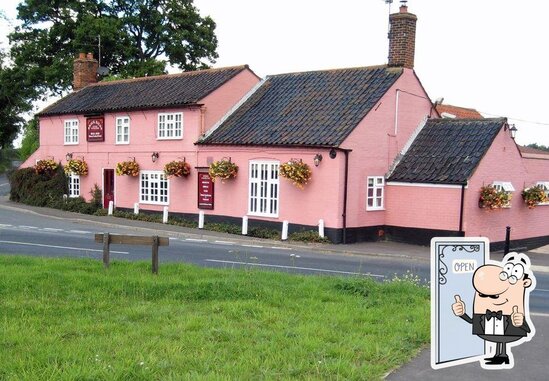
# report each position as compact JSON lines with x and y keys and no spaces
{"x":138,"y":37}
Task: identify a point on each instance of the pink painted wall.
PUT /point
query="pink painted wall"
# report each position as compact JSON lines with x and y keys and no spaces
{"x":504,"y":163}
{"x":374,"y":143}
{"x":321,"y":198}
{"x":424,"y":207}
{"x":223,"y":99}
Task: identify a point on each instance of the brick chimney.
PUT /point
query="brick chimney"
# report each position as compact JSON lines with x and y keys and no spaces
{"x":84,"y":71}
{"x":402,"y":38}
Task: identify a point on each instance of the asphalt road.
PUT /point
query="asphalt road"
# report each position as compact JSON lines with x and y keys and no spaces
{"x":24,"y":233}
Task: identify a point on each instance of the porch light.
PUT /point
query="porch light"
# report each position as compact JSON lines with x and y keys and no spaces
{"x":317,"y":159}
{"x":154,"y":156}
{"x":68,"y":156}
{"x":513,"y":131}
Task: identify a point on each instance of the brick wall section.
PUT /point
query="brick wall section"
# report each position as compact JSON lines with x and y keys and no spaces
{"x":402,"y":38}
{"x":84,"y":71}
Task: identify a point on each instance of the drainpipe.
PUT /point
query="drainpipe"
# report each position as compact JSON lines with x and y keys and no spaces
{"x":345,"y":187}
{"x":461,"y":209}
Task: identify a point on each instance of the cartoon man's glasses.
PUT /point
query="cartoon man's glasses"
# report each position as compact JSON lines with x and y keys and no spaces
{"x":512,"y":272}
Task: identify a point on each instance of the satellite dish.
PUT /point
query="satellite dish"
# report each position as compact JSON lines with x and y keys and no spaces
{"x":102,"y":70}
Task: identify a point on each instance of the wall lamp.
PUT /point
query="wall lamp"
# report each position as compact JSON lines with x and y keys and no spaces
{"x":154,"y":156}
{"x":317,"y":159}
{"x":68,"y":156}
{"x":513,"y":131}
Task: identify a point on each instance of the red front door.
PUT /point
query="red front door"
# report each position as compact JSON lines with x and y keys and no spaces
{"x":108,"y":187}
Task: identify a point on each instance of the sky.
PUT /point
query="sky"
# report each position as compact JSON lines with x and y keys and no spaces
{"x":488,"y":55}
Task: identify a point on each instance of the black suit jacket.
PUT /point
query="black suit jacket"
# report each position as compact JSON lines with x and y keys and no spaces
{"x":508,"y":328}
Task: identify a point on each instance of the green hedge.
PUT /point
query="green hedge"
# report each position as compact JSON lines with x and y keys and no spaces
{"x":31,"y":188}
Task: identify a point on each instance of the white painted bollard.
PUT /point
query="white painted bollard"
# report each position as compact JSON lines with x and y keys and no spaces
{"x":165,"y":215}
{"x":284,"y":230}
{"x":111,"y":207}
{"x":136,"y":208}
{"x":321,"y":228}
{"x":245,"y":225}
{"x":201,"y":220}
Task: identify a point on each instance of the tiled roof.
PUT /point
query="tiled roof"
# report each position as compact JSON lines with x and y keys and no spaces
{"x":458,"y":112}
{"x":318,"y":108}
{"x":143,"y":93}
{"x":447,"y":151}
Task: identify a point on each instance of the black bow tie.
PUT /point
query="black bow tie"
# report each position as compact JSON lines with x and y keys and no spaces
{"x":491,"y":314}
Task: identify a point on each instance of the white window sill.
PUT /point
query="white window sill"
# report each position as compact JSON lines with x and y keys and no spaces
{"x":154,"y":203}
{"x":74,"y":196}
{"x":71,"y":144}
{"x":263,"y":215}
{"x":375,"y":209}
{"x":543,"y":204}
{"x":177,"y":138}
{"x":122,"y":143}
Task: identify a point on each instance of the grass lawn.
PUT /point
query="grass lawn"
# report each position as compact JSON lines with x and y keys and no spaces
{"x":65,"y":319}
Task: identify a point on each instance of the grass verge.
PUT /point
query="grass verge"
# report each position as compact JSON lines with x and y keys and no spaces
{"x":66,"y":319}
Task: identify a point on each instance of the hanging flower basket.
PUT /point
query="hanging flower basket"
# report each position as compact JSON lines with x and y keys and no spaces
{"x":297,"y":172}
{"x":77,"y":167}
{"x":45,"y":166}
{"x":491,"y":198}
{"x":223,"y":169}
{"x":534,"y":195}
{"x":127,"y":168}
{"x":177,"y":169}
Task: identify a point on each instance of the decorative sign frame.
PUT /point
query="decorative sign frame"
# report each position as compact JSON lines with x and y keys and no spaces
{"x":95,"y":129}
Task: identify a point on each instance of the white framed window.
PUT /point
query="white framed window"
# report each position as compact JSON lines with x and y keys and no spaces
{"x":375,"y":193}
{"x":123,"y":130}
{"x":71,"y":131}
{"x":154,"y":188}
{"x":504,"y":186}
{"x":74,"y":185}
{"x":170,"y":125}
{"x":264,"y":188}
{"x":545,"y":186}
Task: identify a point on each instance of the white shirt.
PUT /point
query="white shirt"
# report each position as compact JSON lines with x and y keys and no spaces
{"x":493,"y":326}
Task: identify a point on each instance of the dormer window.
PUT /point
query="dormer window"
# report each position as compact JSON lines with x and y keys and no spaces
{"x":170,"y":125}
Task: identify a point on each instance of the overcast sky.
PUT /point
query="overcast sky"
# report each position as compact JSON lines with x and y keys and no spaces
{"x":489,"y":55}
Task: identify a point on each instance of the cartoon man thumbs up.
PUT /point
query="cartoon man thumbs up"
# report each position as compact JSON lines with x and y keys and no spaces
{"x":458,"y":307}
{"x":499,"y":304}
{"x":516,"y":317}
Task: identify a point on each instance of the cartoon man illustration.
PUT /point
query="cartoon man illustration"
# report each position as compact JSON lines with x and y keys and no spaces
{"x":500,"y":306}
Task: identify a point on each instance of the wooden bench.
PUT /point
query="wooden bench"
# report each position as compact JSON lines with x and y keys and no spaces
{"x":155,"y":241}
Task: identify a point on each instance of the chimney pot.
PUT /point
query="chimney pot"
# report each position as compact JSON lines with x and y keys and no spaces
{"x":402,"y":38}
{"x":84,"y":71}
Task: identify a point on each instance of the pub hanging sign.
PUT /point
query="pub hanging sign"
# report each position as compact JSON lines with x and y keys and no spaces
{"x":95,"y":129}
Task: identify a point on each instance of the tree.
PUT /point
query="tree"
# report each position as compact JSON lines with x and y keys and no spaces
{"x":12,"y":103}
{"x":31,"y":141}
{"x":138,"y":37}
{"x":538,"y":146}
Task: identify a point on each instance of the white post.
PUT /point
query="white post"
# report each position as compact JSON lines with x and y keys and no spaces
{"x":165,"y":215}
{"x":321,"y":228}
{"x":201,"y":220}
{"x":245,"y":225}
{"x":284,"y":230}
{"x":111,"y":207}
{"x":136,"y":208}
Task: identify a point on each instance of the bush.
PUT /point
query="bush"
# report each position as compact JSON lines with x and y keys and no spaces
{"x":45,"y":189}
{"x":308,"y":236}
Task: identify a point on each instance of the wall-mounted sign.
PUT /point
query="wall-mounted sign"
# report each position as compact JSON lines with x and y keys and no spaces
{"x":95,"y":129}
{"x":205,"y":191}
